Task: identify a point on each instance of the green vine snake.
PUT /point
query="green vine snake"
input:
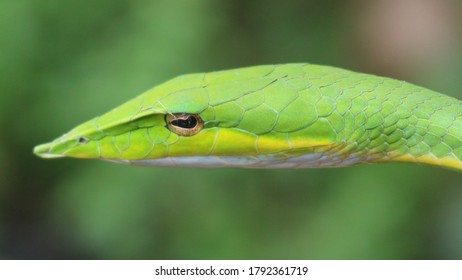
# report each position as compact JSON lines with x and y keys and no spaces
{"x":273,"y":116}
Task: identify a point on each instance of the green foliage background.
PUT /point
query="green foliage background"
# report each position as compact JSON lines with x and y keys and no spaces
{"x":63,"y":62}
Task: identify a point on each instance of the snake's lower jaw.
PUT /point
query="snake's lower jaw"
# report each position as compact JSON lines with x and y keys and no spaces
{"x":44,"y":151}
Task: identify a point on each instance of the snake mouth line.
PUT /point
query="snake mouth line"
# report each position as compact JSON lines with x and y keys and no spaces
{"x":43,"y":151}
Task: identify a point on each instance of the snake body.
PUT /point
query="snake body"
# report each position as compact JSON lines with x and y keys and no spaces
{"x":274,"y":116}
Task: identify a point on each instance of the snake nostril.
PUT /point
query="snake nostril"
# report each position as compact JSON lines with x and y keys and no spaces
{"x":82,"y":140}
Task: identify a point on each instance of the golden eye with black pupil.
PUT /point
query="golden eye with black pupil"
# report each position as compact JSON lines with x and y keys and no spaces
{"x":184,"y":124}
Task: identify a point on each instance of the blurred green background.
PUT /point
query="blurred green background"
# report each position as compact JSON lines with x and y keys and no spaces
{"x":63,"y":62}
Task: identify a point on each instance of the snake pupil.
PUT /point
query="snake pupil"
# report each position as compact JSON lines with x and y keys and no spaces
{"x":190,"y":122}
{"x":184,"y":124}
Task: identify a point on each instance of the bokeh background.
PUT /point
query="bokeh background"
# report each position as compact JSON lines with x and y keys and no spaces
{"x":63,"y":62}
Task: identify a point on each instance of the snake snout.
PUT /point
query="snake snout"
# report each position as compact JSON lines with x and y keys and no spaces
{"x":44,"y":151}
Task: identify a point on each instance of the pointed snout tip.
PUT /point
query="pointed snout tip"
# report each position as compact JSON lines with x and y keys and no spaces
{"x":44,"y":151}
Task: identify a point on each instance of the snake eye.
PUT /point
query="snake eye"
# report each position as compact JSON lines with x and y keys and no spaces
{"x":184,"y":124}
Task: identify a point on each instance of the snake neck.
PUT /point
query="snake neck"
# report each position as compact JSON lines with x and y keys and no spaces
{"x":430,"y":132}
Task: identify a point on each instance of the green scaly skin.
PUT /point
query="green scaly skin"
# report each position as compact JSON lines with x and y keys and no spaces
{"x":276,"y":116}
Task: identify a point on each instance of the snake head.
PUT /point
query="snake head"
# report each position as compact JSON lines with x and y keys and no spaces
{"x":237,"y":117}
